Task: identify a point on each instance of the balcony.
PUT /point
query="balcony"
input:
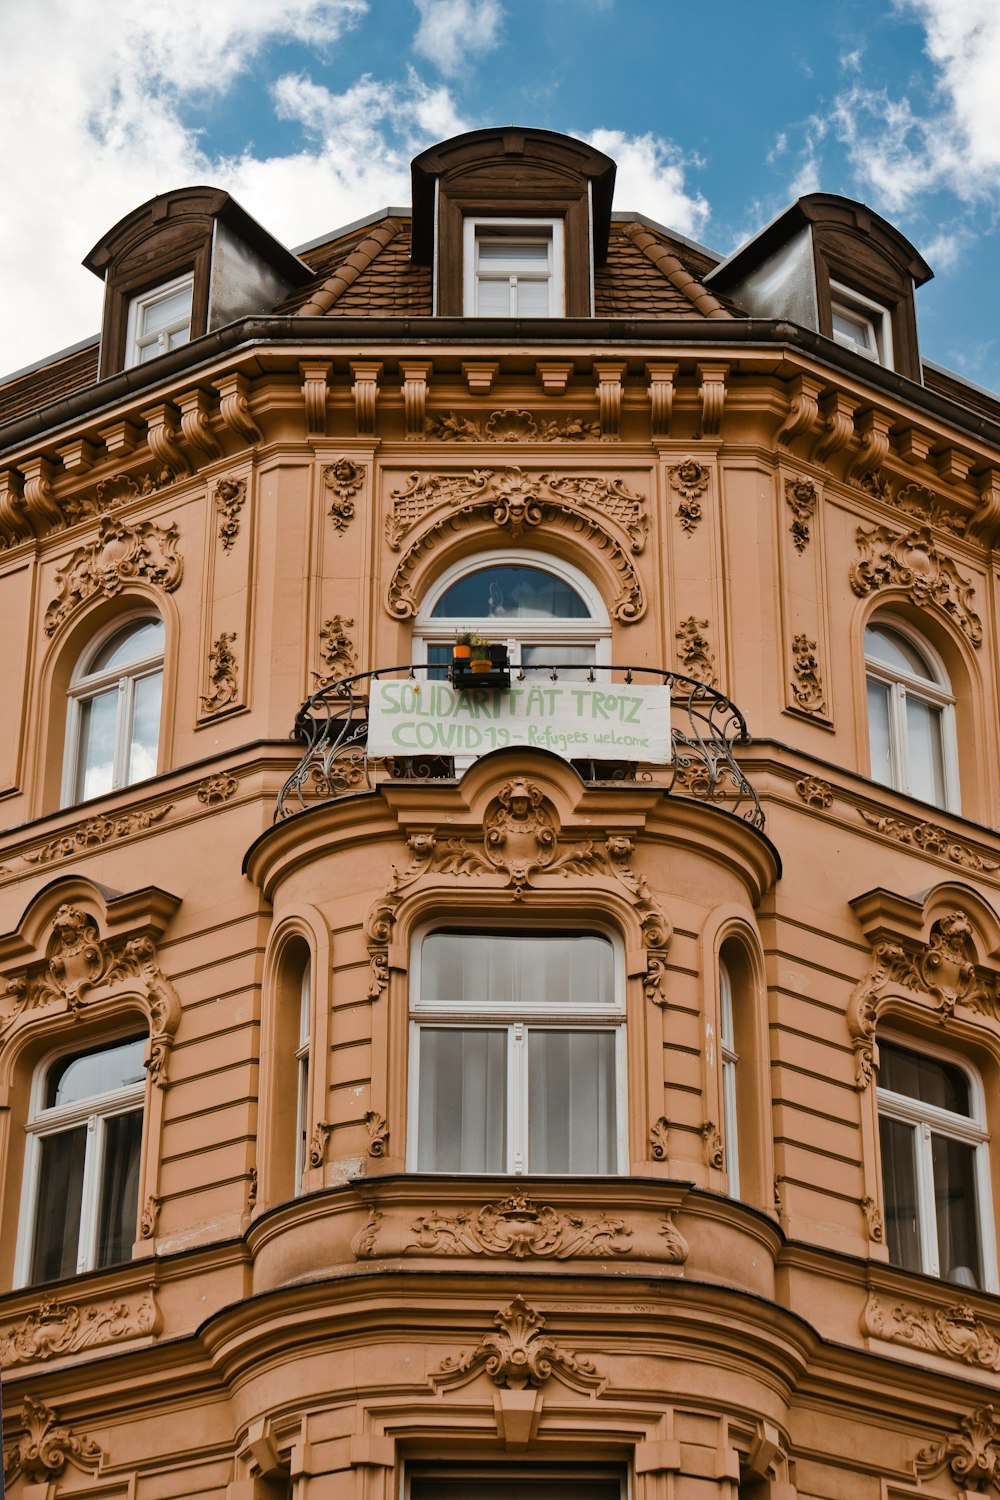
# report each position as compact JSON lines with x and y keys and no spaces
{"x":704,"y":729}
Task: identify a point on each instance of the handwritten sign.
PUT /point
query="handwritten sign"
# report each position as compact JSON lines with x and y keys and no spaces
{"x":578,"y":720}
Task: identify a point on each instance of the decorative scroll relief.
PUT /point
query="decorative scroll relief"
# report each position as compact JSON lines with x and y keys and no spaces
{"x":520,"y":1355}
{"x":47,"y":1447}
{"x":378,"y":1133}
{"x":931,"y":839}
{"x":694,"y":650}
{"x":913,"y":564}
{"x":520,"y":841}
{"x":515,"y":1226}
{"x":690,"y":479}
{"x":230,"y":498}
{"x":58,"y":1328}
{"x":807,"y":689}
{"x":120,"y":555}
{"x":944,"y":972}
{"x":802,"y":497}
{"x":343,"y":479}
{"x":516,"y":498}
{"x":336,"y":650}
{"x":222,"y":674}
{"x":510,"y":426}
{"x":953,"y":1331}
{"x":923,"y":505}
{"x":79,"y":963}
{"x":95,"y":832}
{"x":971,"y":1452}
{"x":114,"y":491}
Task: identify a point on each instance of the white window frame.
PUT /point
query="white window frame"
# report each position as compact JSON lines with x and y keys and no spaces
{"x":971,"y":1130}
{"x":302,"y":1075}
{"x":475,"y":1476}
{"x":42,"y":1123}
{"x":534,"y":1015}
{"x":85,"y":685}
{"x":729,"y":1058}
{"x":874,"y":315}
{"x":901,"y":685}
{"x":595,"y":631}
{"x":136,"y":344}
{"x":476,"y":229}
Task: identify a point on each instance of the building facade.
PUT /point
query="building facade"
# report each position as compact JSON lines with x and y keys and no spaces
{"x":584,"y":1085}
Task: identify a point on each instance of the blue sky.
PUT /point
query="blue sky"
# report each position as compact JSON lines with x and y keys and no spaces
{"x":308,"y":111}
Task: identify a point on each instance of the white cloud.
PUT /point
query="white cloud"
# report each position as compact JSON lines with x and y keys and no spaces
{"x":451,"y":32}
{"x":102,"y":127}
{"x":651,"y":173}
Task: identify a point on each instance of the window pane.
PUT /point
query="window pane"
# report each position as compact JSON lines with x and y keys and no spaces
{"x":134,"y":644}
{"x":532,"y":299}
{"x":146,"y":693}
{"x":56,"y":1242}
{"x":879,"y":738}
{"x":119,"y":1189}
{"x":462,"y":1106}
{"x":563,"y":657}
{"x":509,"y":970}
{"x":955,"y":1210}
{"x":98,"y":736}
{"x":165,"y":312}
{"x":90,"y":1074}
{"x":855,"y":330}
{"x":473,"y":1488}
{"x":513,"y":256}
{"x":494,"y":298}
{"x":924,"y":753}
{"x":925,"y":1078}
{"x":894,"y":650}
{"x":899,"y":1177}
{"x":572,"y":1124}
{"x":510,"y":591}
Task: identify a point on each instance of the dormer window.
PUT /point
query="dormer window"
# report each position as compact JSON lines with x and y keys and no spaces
{"x":860,"y":324}
{"x":159,"y":320}
{"x":513,"y":268}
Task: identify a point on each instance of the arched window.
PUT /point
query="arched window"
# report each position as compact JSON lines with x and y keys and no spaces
{"x":935,"y":1171}
{"x":113,"y":725}
{"x":82,"y":1162}
{"x":911,"y":716}
{"x":543,"y":609}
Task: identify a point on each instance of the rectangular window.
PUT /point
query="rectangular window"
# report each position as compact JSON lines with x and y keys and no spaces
{"x":861,"y":324}
{"x":516,"y":1055}
{"x":515,"y":1482}
{"x":159,"y":320}
{"x":513,"y":268}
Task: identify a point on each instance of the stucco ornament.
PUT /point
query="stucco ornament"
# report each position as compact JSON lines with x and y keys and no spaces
{"x":96,"y":831}
{"x":659,"y":1139}
{"x":801,"y":497}
{"x":913,"y":563}
{"x":873,"y":1219}
{"x":111,"y":492}
{"x":47,"y":1446}
{"x":714,"y":1151}
{"x":78,"y":964}
{"x":230,"y":497}
{"x":600,"y":512}
{"x":931,"y":839}
{"x":57,"y":1328}
{"x":943,"y":971}
{"x":378,"y":1133}
{"x":922,"y":504}
{"x":971,"y":1452}
{"x":336,"y":650}
{"x":216,"y":789}
{"x":694,"y":650}
{"x":121,"y":555}
{"x":222,"y":674}
{"x":520,"y":1355}
{"x":343,"y":480}
{"x":510,"y":426}
{"x":814,"y":792}
{"x":690,"y":479}
{"x":808,"y":686}
{"x":953,"y":1331}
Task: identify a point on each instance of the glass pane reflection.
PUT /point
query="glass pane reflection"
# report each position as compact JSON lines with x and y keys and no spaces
{"x":510,"y":591}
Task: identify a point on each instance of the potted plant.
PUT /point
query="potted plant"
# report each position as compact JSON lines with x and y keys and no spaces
{"x":461,"y":651}
{"x":482,"y":655}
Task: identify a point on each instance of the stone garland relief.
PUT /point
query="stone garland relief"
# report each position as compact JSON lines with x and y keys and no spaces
{"x":953,"y":1331}
{"x":230,"y":497}
{"x":79,"y":963}
{"x":343,"y":480}
{"x":121,"y":554}
{"x":510,"y":426}
{"x":520,"y":840}
{"x":971,"y":1452}
{"x":518,"y":504}
{"x":912,"y":563}
{"x":943,"y":972}
{"x":336,"y":650}
{"x":95,"y":832}
{"x":58,"y":1328}
{"x":519,"y":1355}
{"x":931,"y":839}
{"x":690,"y":479}
{"x":47,"y":1447}
{"x":222,"y":674}
{"x":807,"y":689}
{"x":515,"y":1226}
{"x":694,"y":650}
{"x":801,"y":497}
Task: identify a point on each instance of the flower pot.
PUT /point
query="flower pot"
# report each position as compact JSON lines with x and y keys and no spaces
{"x":482,"y":664}
{"x":461,"y":653}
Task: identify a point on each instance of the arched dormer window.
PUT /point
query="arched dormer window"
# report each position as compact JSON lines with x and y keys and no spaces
{"x":911,"y":715}
{"x":545,"y":611}
{"x":113,"y":723}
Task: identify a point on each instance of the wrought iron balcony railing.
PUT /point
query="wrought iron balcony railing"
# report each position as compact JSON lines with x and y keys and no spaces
{"x":704,"y":728}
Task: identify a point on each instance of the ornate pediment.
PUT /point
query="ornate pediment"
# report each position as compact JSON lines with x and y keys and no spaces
{"x":913,"y":564}
{"x":120,"y":555}
{"x":518,"y":1355}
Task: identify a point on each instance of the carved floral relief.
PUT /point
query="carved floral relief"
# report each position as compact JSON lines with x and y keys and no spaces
{"x":913,"y":563}
{"x":971,"y":1452}
{"x":695,"y":650}
{"x":955,"y":1331}
{"x":95,"y":832}
{"x":807,"y":689}
{"x":814,"y":792}
{"x":121,"y":554}
{"x":519,"y":1355}
{"x":336,"y":650}
{"x":58,"y":1328}
{"x":46,"y":1447}
{"x":690,"y":479}
{"x":931,"y":839}
{"x":230,"y":497}
{"x":343,"y":480}
{"x":222,"y":674}
{"x":510,"y":426}
{"x":802,"y":498}
{"x":923,"y":505}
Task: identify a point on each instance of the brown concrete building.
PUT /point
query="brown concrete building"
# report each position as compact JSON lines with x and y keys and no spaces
{"x":582,"y":1085}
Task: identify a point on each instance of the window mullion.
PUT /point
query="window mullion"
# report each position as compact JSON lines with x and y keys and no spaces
{"x":898,"y":747}
{"x":91,"y":1185}
{"x":517,"y":1100}
{"x":926,"y":1214}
